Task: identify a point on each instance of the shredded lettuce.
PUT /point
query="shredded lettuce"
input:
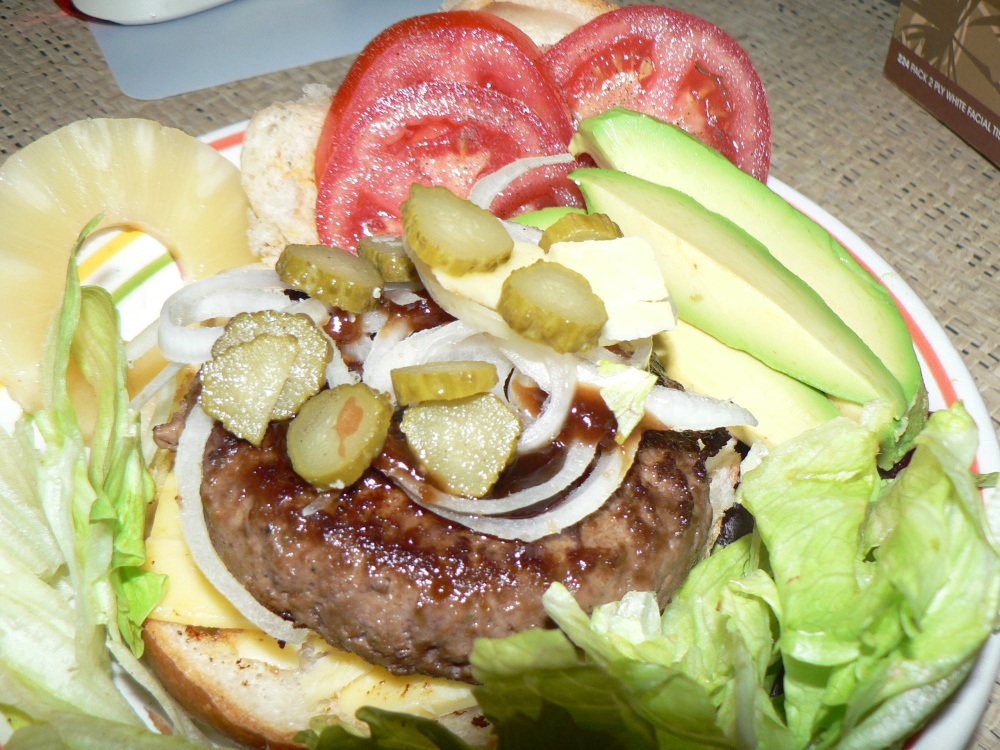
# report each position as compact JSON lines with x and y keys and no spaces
{"x":71,"y":590}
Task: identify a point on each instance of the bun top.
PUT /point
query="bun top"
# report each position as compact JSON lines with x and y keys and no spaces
{"x":545,"y":21}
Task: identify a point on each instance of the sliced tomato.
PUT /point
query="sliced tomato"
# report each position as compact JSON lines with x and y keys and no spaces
{"x":471,"y":47}
{"x":435,"y":134}
{"x":671,"y":65}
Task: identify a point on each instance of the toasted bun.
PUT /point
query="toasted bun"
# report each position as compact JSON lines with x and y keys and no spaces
{"x":545,"y":21}
{"x":277,"y":166}
{"x":257,"y":703}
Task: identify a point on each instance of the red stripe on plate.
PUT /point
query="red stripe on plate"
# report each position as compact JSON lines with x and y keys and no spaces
{"x":228,"y":141}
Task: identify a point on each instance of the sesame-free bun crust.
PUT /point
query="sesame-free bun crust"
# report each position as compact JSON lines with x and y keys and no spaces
{"x":252,"y":702}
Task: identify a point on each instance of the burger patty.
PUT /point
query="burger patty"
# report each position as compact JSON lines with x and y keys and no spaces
{"x":377,"y":575}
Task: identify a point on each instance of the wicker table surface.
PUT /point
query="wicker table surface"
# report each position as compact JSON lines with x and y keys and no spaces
{"x":843,"y":136}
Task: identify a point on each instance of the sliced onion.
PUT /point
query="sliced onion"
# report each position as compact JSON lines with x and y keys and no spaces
{"x":384,"y":354}
{"x":490,"y":186}
{"x":222,"y":295}
{"x":522,"y":232}
{"x":577,"y":458}
{"x":685,"y":410}
{"x":337,"y":371}
{"x":556,"y":375}
{"x":593,"y":492}
{"x":318,"y":311}
{"x":143,"y":342}
{"x":154,"y":386}
{"x":188,"y":470}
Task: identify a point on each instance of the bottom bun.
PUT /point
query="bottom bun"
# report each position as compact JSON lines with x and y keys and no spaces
{"x":258,"y":703}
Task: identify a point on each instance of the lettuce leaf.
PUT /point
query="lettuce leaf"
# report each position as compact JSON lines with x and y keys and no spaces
{"x":69,"y":585}
{"x":75,"y":731}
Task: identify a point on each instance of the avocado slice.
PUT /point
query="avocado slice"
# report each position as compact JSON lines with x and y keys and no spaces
{"x":726,"y":283}
{"x":784,"y":407}
{"x":664,"y":154}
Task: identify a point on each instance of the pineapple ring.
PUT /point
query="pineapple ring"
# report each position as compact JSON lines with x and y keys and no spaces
{"x":138,"y":174}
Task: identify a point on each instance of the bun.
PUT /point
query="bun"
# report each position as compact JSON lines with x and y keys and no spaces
{"x":545,"y":21}
{"x":277,"y":165}
{"x":256,"y":703}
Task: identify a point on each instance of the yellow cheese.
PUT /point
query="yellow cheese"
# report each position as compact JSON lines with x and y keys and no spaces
{"x":624,"y":273}
{"x":190,"y":598}
{"x":634,"y":293}
{"x":354,"y":683}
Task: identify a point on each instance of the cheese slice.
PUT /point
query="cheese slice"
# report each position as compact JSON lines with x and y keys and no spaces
{"x":623,"y":272}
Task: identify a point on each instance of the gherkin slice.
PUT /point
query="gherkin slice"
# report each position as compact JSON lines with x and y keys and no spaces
{"x":241,"y":386}
{"x":386,"y":253}
{"x":337,"y":434}
{"x":463,"y":445}
{"x":553,"y":305}
{"x":442,"y":381}
{"x":576,"y":227}
{"x":331,"y":275}
{"x":452,"y":234}
{"x":308,"y":373}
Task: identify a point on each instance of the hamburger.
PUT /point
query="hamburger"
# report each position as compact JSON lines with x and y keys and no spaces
{"x":393,"y":585}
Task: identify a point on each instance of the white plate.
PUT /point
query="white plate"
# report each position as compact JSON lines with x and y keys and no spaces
{"x":142,"y":276}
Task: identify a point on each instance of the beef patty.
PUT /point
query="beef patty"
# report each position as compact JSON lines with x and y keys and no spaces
{"x":377,"y":575}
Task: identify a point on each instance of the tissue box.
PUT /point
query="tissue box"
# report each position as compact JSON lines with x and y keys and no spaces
{"x":944,"y":60}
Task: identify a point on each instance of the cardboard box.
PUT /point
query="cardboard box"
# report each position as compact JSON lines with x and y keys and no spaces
{"x":944,"y":53}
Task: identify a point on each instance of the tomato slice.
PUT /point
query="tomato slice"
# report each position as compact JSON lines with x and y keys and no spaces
{"x":471,"y":47}
{"x":433,"y":133}
{"x":671,"y":65}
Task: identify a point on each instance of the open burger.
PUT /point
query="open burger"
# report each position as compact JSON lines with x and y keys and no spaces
{"x":389,"y":577}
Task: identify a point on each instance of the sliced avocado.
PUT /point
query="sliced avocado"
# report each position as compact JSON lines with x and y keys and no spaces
{"x":783,"y":406}
{"x":543,"y":218}
{"x":664,"y":154}
{"x":726,"y":283}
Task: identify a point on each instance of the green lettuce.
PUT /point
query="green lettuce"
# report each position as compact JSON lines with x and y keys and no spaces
{"x":71,"y":591}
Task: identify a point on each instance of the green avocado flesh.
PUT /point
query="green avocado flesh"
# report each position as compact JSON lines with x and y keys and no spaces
{"x":664,"y":154}
{"x":726,"y":283}
{"x":784,"y":407}
{"x":543,"y":218}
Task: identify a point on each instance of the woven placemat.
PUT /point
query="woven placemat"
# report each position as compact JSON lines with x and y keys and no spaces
{"x":843,"y":136}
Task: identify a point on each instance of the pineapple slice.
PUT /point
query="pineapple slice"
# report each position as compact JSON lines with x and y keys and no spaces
{"x":138,"y":174}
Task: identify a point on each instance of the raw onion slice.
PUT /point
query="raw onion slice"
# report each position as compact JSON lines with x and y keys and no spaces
{"x":556,"y":375}
{"x":686,"y":410}
{"x":593,"y":492}
{"x":490,"y":186}
{"x":522,"y":232}
{"x":143,"y":342}
{"x":222,"y":295}
{"x":188,"y":470}
{"x":577,"y":458}
{"x":153,"y":387}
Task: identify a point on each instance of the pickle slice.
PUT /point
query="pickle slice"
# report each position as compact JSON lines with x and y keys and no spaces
{"x":574,"y":227}
{"x":462,"y":445}
{"x":241,"y":386}
{"x":551,"y":304}
{"x":386,"y":253}
{"x":337,"y":434}
{"x":442,"y":381}
{"x":452,"y":234}
{"x":331,"y":275}
{"x":308,"y":373}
